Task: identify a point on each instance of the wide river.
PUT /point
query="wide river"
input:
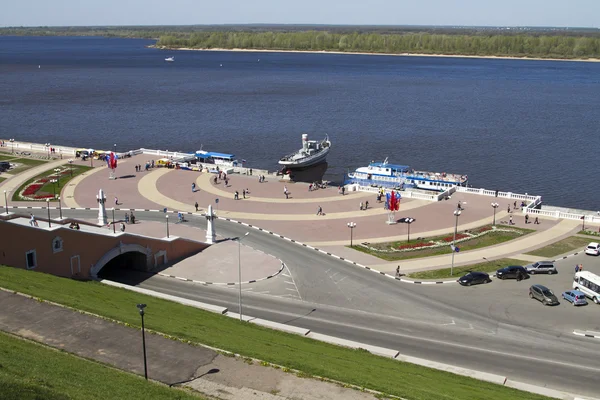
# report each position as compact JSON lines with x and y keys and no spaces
{"x":515,"y":125}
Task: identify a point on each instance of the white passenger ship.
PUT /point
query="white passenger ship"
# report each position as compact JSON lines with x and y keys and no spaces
{"x":384,"y":174}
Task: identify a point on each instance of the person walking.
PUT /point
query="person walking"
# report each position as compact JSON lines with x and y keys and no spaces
{"x":576,"y":268}
{"x":319,"y":211}
{"x":132,"y":218}
{"x":127,"y":217}
{"x":515,"y":204}
{"x":361,"y":206}
{"x":196,"y":205}
{"x":536,"y":222}
{"x":285,"y":192}
{"x":116,"y":201}
{"x":236,"y":195}
{"x":508,"y":210}
{"x":526,"y":219}
{"x":398,"y":271}
{"x":510,"y":221}
{"x":193,"y":187}
{"x":366,"y":204}
{"x":244,"y":193}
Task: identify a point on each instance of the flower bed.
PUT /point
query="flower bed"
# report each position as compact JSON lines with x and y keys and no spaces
{"x":442,"y":242}
{"x":30,"y":192}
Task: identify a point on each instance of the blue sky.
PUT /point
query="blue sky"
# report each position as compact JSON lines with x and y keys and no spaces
{"x":377,"y":12}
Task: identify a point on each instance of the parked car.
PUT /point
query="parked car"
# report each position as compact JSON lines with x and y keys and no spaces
{"x":543,"y":294}
{"x":593,"y":249}
{"x":541,"y":267}
{"x":473,"y":278}
{"x":576,"y":297}
{"x":512,"y":272}
{"x":4,"y":166}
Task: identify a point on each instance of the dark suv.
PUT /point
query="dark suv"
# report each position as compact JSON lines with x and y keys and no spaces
{"x":4,"y":166}
{"x":543,"y":294}
{"x":512,"y":272}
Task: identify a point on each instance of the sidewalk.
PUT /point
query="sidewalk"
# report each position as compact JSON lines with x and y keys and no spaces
{"x":169,"y":361}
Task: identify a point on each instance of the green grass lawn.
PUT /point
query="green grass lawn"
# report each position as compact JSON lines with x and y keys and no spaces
{"x":30,"y":371}
{"x":50,"y":188}
{"x":26,"y":164}
{"x":356,"y":367}
{"x":590,"y":233}
{"x":489,"y":266}
{"x":561,"y":247}
{"x":486,"y":240}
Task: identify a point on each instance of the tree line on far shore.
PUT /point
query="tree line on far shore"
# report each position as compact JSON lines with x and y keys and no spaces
{"x":423,"y":43}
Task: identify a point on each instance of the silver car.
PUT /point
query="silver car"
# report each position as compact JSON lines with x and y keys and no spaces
{"x":541,"y":267}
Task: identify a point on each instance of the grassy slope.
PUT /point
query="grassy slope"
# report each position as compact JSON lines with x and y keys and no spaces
{"x":31,"y":371}
{"x":561,"y":247}
{"x":312,"y":357}
{"x":491,"y":266}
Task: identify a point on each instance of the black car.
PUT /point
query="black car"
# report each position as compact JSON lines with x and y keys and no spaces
{"x":473,"y":278}
{"x":512,"y":272}
{"x":4,"y":166}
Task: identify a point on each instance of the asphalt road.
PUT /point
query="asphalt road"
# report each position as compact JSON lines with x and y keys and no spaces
{"x":494,"y":328}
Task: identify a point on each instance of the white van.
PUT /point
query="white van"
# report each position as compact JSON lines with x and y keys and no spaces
{"x":589,"y":284}
{"x":593,"y":249}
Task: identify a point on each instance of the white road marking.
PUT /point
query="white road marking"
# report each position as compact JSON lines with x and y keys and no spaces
{"x":295,"y":286}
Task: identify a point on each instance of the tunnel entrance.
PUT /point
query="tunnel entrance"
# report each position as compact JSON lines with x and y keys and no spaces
{"x":123,"y":264}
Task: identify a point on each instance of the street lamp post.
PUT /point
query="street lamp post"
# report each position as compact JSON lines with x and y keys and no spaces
{"x":53,"y":181}
{"x":48,"y":208}
{"x":239,"y":239}
{"x":495,"y":205}
{"x":12,"y":142}
{"x":57,"y":170}
{"x":48,"y":148}
{"x":5,"y":203}
{"x":113,"y":215}
{"x":351,"y":225}
{"x":409,"y":221}
{"x":456,"y":214}
{"x":167,"y":226}
{"x":59,"y":209}
{"x":141,"y":308}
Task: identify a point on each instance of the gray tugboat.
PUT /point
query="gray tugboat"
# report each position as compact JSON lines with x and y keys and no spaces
{"x":312,"y":152}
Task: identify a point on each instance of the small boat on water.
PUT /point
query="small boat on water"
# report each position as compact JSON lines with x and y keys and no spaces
{"x":170,"y":59}
{"x":384,"y":174}
{"x":311,"y":153}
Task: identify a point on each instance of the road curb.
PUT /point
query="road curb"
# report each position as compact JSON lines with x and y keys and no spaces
{"x":336,"y":256}
{"x":588,"y":334}
{"x":224,"y":284}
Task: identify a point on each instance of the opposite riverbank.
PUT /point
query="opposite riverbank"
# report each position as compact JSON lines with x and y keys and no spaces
{"x":175,"y":48}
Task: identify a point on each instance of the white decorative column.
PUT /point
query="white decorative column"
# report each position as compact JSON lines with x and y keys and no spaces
{"x":101,"y":199}
{"x":210,"y":226}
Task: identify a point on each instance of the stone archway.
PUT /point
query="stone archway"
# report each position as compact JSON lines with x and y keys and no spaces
{"x":119,"y":250}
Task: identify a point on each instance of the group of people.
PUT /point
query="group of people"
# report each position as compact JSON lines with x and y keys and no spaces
{"x":149,"y":164}
{"x":236,"y":194}
{"x":261,"y":178}
{"x":364,"y":206}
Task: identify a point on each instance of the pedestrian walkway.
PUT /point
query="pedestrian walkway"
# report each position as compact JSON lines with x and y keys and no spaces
{"x":12,"y":184}
{"x":168,"y":361}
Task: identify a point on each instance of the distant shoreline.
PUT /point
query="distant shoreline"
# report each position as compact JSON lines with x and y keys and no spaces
{"x":377,"y":54}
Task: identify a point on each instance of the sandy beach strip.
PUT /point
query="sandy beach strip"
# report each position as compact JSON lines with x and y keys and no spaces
{"x":377,"y":54}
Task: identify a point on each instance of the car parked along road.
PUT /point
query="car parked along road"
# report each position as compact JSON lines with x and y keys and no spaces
{"x":473,"y":278}
{"x":541,"y":267}
{"x":593,"y":249}
{"x":576,"y":297}
{"x":512,"y":272}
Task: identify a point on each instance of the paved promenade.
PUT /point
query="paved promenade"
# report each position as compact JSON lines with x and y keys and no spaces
{"x":266,"y":205}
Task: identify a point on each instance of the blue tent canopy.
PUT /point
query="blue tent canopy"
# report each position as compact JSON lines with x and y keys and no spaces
{"x":212,"y":154}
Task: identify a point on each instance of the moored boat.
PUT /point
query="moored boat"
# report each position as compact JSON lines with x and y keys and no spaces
{"x":311,"y":153}
{"x":384,"y":174}
{"x":170,"y":59}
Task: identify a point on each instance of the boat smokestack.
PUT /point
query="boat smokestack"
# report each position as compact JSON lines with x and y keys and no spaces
{"x":305,"y":141}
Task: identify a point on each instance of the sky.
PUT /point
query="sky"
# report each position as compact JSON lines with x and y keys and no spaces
{"x":575,"y":13}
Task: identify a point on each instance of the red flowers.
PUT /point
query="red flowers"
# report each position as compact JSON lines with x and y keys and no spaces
{"x":32,"y":189}
{"x":458,"y":237}
{"x":414,"y":246}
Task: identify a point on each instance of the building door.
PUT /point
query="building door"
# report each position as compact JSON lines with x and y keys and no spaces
{"x":75,"y":266}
